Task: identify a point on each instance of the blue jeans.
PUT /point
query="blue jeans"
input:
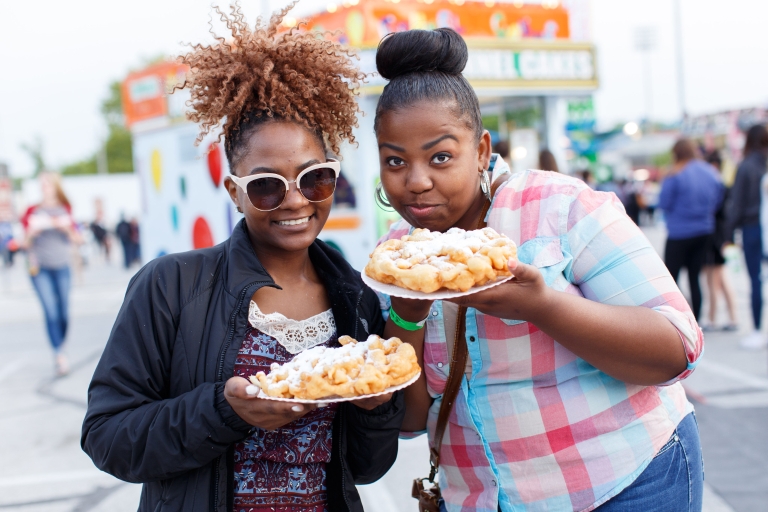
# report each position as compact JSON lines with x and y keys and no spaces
{"x":52,"y":286}
{"x":672,"y":482}
{"x":752,"y":239}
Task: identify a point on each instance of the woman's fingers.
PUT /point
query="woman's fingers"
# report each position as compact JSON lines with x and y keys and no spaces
{"x":261,"y":412}
{"x":523,"y":272}
{"x":237,"y":387}
{"x":511,"y":297}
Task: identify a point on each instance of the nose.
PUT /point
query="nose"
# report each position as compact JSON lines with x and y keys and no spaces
{"x":419,"y":179}
{"x":294,"y":199}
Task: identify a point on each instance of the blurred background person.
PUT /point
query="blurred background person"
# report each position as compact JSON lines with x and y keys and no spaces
{"x":99,"y":230}
{"x":135,"y":240}
{"x":744,"y":212}
{"x":50,"y":235}
{"x":629,"y":198}
{"x":718,"y":283}
{"x":649,"y":201}
{"x":6,"y":243}
{"x":690,"y":196}
{"x":128,"y":234}
{"x":585,"y":175}
{"x":123,"y":232}
{"x":502,"y":148}
{"x":547,"y":161}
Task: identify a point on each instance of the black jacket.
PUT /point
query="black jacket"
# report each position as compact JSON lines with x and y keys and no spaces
{"x":744,"y":199}
{"x":156,"y":407}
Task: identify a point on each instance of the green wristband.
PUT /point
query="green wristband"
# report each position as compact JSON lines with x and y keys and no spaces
{"x":405,"y":324}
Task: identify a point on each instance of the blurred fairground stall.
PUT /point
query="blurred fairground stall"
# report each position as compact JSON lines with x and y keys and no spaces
{"x":724,"y":131}
{"x":532,"y":65}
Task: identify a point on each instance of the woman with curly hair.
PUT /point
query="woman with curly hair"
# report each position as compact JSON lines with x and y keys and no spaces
{"x":168,"y":405}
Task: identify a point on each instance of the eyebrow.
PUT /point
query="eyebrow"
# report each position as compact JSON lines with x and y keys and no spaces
{"x":392,"y":147}
{"x":428,"y":145}
{"x":309,"y":163}
{"x":432,"y":144}
{"x":259,"y":170}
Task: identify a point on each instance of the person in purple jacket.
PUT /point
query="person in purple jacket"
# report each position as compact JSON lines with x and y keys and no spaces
{"x":690,"y":197}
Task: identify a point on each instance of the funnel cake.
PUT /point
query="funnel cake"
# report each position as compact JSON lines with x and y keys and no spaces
{"x":354,"y":369}
{"x":428,"y":261}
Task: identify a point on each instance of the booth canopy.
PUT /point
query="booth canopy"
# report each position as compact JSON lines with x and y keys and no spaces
{"x":514,"y":49}
{"x":364,"y":24}
{"x":512,"y":45}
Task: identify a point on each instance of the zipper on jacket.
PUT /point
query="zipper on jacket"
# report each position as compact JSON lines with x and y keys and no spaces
{"x":220,"y":371}
{"x":357,"y":311}
{"x":342,"y":426}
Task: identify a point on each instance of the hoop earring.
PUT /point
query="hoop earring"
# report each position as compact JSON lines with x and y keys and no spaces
{"x":379,"y":195}
{"x":485,"y":184}
{"x":239,"y":210}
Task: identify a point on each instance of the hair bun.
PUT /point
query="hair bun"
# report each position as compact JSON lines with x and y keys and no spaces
{"x":415,"y":51}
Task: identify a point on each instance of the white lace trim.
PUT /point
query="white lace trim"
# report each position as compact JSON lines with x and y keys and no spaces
{"x":295,"y":335}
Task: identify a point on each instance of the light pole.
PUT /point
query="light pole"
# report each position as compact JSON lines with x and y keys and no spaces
{"x":645,"y":43}
{"x":679,"y":59}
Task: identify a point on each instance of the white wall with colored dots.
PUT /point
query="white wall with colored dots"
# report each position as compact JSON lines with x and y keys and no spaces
{"x":184,"y":203}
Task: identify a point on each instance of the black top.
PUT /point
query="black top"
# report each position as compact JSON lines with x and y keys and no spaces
{"x":156,"y":408}
{"x":744,"y":200}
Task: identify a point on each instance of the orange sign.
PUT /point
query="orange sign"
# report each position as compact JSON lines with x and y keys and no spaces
{"x":145,"y":92}
{"x":364,"y":24}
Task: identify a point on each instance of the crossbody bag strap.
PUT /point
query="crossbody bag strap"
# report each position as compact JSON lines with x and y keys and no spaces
{"x":458,"y":362}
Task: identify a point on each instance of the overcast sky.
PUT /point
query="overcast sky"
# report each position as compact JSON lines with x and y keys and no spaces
{"x":57,"y":59}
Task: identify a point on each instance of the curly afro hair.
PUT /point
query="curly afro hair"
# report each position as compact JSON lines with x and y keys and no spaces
{"x":265,"y":74}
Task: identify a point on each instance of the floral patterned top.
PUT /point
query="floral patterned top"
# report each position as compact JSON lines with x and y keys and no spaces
{"x":283,"y":470}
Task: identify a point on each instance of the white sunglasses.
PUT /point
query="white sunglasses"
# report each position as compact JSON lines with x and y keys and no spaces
{"x":268,"y":191}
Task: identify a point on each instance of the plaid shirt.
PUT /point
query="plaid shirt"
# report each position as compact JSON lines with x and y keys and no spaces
{"x":536,"y":428}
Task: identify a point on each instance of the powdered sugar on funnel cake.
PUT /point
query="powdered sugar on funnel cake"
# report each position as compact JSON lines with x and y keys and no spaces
{"x":354,"y":370}
{"x":457,"y":260}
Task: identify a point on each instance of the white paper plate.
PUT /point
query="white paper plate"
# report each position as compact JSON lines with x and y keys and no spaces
{"x":331,"y":400}
{"x":391,"y":289}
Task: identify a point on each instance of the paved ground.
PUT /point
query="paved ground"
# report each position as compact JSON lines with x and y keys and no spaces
{"x":43,"y":468}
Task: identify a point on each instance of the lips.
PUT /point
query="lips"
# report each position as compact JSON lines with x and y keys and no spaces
{"x":421,"y":210}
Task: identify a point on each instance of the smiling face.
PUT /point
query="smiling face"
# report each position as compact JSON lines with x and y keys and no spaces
{"x":430,"y":165}
{"x":286,"y":149}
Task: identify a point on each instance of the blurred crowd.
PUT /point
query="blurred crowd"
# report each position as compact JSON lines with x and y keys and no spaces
{"x":57,"y":246}
{"x":708,"y":224}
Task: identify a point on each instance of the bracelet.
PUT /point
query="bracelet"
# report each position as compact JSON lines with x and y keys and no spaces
{"x":405,"y":324}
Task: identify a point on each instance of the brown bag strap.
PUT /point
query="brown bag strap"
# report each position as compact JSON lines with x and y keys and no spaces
{"x":452,"y":386}
{"x":458,"y":362}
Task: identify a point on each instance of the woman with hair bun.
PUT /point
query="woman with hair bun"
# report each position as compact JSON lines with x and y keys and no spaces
{"x":168,"y":405}
{"x":570,"y":398}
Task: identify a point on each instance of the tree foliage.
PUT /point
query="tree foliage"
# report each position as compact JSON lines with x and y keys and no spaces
{"x":35,"y":152}
{"x":117,"y":148}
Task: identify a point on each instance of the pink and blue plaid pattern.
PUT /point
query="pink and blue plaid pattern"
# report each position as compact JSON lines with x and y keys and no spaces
{"x":536,"y":428}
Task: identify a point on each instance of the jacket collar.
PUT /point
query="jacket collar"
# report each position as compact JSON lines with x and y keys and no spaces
{"x":342,"y":282}
{"x":243,"y":267}
{"x":343,"y":285}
